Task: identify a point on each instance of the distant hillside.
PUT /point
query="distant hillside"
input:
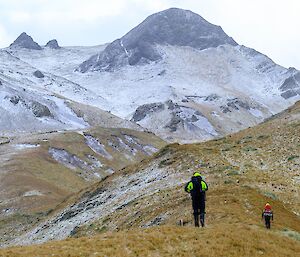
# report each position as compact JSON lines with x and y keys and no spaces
{"x":37,"y":172}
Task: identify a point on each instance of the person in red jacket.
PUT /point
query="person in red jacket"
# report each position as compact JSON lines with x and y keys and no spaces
{"x":267,"y":215}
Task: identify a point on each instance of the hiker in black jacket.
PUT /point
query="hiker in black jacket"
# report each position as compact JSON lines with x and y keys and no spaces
{"x":267,"y":215}
{"x":197,"y":188}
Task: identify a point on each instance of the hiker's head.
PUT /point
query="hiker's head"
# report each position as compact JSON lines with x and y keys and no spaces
{"x":197,"y":175}
{"x":268,"y":206}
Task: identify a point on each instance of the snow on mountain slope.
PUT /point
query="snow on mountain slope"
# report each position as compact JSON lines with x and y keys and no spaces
{"x":59,"y":61}
{"x":192,"y":94}
{"x":173,"y":27}
{"x":195,"y":89}
{"x":27,"y":104}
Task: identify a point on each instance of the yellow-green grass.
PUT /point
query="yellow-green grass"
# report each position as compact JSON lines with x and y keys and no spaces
{"x":224,"y":240}
{"x":244,"y":171}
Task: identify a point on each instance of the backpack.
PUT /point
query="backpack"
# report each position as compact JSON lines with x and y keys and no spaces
{"x":268,"y":213}
{"x":197,"y":184}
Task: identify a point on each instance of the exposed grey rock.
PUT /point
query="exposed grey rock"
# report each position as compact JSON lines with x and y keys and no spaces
{"x":162,"y":73}
{"x":265,"y":66}
{"x":142,"y":111}
{"x":212,"y":97}
{"x":53,"y":44}
{"x":174,"y":123}
{"x":14,"y":99}
{"x":290,"y":93}
{"x":225,"y":109}
{"x":96,"y":146}
{"x":25,"y":41}
{"x":74,"y":162}
{"x":39,"y":110}
{"x":38,"y":74}
{"x":291,"y":82}
{"x":170,"y":27}
{"x":235,"y":104}
{"x":171,"y":105}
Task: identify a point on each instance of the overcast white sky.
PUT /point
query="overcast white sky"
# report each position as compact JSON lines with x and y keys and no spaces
{"x":269,"y":26}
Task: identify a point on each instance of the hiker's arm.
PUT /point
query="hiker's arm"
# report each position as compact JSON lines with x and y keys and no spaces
{"x":188,"y":187}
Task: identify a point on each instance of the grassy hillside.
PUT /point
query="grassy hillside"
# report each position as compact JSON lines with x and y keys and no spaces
{"x":33,"y":182}
{"x":252,"y":167}
{"x":135,"y":212}
{"x":225,"y":240}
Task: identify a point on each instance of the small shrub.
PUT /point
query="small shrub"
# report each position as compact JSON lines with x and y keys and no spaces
{"x":262,"y":137}
{"x":233,"y":173}
{"x":293,"y":157}
{"x":164,"y":163}
{"x":250,"y":149}
{"x":292,"y":234}
{"x":270,"y":195}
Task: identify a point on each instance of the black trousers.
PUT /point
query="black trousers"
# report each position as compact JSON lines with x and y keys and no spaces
{"x":268,"y":222}
{"x":199,"y":212}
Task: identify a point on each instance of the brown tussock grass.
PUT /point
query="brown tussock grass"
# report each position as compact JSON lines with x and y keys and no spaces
{"x":225,"y":240}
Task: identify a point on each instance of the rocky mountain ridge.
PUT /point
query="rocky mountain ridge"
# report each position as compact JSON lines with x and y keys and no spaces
{"x":174,"y":26}
{"x":203,"y":83}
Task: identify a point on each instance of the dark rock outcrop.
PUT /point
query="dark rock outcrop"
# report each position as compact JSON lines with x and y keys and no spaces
{"x":174,"y":123}
{"x":25,"y":41}
{"x":291,"y":82}
{"x":53,"y":44}
{"x":170,"y":27}
{"x":236,"y":104}
{"x":39,"y":110}
{"x":291,"y":86}
{"x":38,"y":74}
{"x":142,"y":111}
{"x":290,"y":93}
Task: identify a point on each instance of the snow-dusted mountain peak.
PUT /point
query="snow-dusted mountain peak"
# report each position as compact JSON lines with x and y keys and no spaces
{"x":175,"y":74}
{"x":53,"y":44}
{"x":173,"y":26}
{"x":25,"y":41}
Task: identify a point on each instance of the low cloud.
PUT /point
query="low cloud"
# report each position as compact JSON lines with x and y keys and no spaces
{"x":5,"y":39}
